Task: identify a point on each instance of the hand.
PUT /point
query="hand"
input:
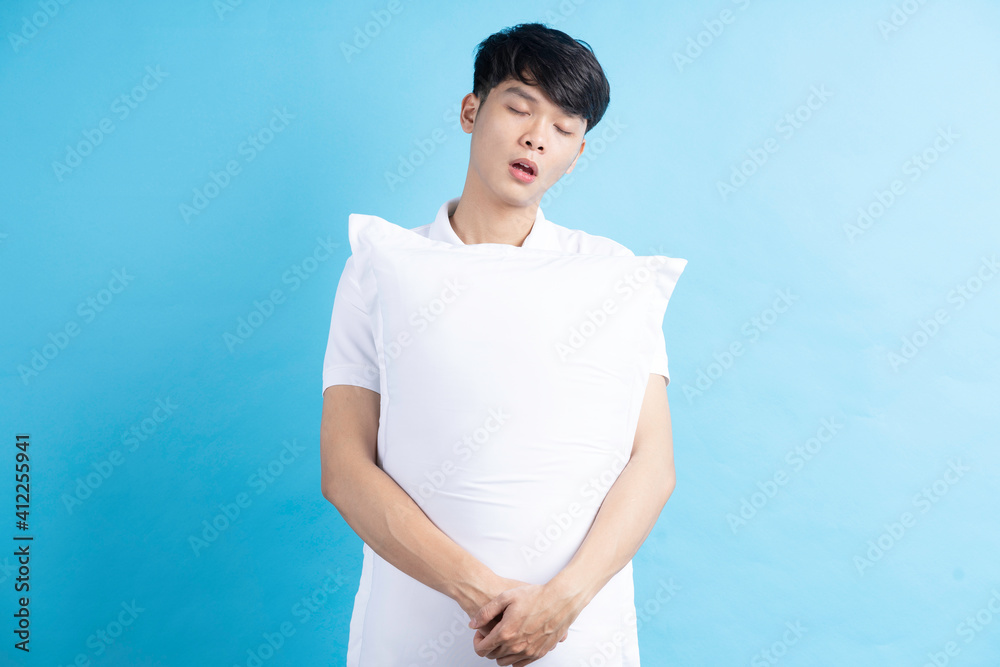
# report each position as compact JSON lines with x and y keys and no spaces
{"x":486,"y":590}
{"x":494,"y":586}
{"x":521,"y":624}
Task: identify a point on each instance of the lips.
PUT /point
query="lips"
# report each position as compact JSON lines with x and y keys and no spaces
{"x":527,"y":165}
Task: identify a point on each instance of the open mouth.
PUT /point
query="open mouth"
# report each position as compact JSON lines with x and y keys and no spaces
{"x":524,"y":167}
{"x":523,"y":170}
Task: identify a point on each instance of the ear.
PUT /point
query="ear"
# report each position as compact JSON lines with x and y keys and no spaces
{"x":470,"y":109}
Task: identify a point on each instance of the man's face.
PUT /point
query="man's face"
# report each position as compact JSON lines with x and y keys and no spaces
{"x":518,"y":121}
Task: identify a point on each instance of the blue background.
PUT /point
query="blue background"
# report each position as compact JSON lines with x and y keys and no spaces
{"x":821,"y":542}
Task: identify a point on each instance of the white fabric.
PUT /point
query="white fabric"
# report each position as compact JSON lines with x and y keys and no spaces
{"x":350,"y":350}
{"x":511,"y":380}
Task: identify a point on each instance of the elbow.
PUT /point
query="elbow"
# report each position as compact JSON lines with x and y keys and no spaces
{"x":669,"y":483}
{"x":327,"y":491}
{"x":340,"y":482}
{"x":343,"y":477}
{"x":330,"y":487}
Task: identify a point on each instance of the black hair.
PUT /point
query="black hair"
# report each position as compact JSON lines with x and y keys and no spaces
{"x":564,"y":67}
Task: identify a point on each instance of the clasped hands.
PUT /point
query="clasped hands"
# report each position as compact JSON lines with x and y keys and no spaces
{"x":523,"y":622}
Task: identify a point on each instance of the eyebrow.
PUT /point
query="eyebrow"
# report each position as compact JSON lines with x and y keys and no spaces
{"x":521,"y":92}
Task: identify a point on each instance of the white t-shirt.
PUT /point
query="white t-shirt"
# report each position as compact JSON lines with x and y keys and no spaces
{"x":350,"y":351}
{"x":400,"y":621}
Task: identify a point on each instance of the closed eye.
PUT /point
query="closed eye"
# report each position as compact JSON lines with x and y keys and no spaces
{"x":525,"y":113}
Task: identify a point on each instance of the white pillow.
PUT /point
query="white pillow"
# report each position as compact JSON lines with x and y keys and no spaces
{"x":511,"y":380}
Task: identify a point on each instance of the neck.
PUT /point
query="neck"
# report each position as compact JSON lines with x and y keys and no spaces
{"x":480,"y":217}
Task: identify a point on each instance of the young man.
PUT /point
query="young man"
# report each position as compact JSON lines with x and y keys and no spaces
{"x":536,"y":93}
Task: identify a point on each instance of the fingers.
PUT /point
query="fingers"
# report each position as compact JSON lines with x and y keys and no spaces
{"x":484,"y":630}
{"x":486,"y":642}
{"x":488,"y":611}
{"x":484,"y":614}
{"x":499,"y":651}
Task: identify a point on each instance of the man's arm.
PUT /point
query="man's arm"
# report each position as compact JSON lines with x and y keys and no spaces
{"x":632,"y":505}
{"x":534,"y":615}
{"x":382,"y":514}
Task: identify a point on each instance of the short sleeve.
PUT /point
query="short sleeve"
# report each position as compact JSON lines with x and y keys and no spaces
{"x":660,"y":358}
{"x":350,"y":357}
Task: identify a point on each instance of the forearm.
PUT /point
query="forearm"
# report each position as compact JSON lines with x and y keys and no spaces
{"x":623,"y":522}
{"x":395,"y":527}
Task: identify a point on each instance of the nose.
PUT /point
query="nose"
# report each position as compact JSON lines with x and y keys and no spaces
{"x":533,"y":138}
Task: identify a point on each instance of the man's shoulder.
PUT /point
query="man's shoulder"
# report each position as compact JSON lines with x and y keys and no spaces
{"x":577,"y":240}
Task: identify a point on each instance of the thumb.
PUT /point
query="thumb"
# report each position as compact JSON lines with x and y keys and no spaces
{"x":486,"y":612}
